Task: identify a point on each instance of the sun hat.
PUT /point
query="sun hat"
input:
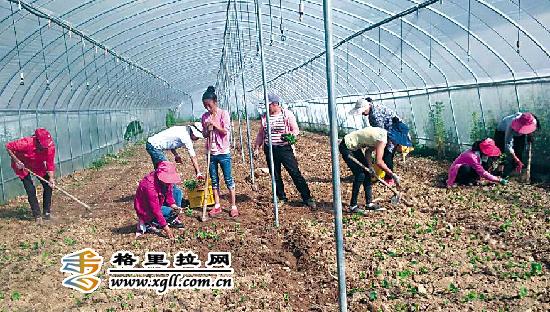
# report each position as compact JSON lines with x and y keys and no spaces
{"x":489,"y":148}
{"x":273,"y":98}
{"x":196,"y":129}
{"x":524,"y":124}
{"x":361,"y":106}
{"x":44,"y":137}
{"x":166,"y":172}
{"x":399,"y":134}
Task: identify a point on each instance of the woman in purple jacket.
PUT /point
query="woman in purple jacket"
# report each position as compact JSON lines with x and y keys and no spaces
{"x":467,"y":169}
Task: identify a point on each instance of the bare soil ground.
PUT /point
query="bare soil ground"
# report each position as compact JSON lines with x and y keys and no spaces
{"x":466,"y":249}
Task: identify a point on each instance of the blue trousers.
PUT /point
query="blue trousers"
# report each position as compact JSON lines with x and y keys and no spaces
{"x":224,"y":160}
{"x":178,"y":197}
{"x":156,"y":154}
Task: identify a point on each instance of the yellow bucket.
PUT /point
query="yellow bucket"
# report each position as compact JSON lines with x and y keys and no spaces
{"x":196,"y":196}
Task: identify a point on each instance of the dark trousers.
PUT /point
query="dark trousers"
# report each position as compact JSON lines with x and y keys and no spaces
{"x":518,"y":146}
{"x":33,"y":200}
{"x":360,"y":177}
{"x":388,"y":156}
{"x":466,"y":175}
{"x":284,"y":156}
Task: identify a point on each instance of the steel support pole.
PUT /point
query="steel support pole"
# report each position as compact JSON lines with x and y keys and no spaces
{"x":248,"y":133}
{"x":337,"y":200}
{"x":247,"y":120}
{"x":192,"y":110}
{"x":239,"y":118}
{"x":266,"y":101}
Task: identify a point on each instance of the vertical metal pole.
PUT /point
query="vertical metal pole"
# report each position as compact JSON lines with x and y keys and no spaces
{"x":81,"y":147}
{"x":266,"y":101}
{"x":239,"y":118}
{"x":192,"y":109}
{"x":337,"y":201}
{"x":412,"y":114}
{"x":249,"y":145}
{"x":4,"y":196}
{"x":454,"y":118}
{"x":481,"y":110}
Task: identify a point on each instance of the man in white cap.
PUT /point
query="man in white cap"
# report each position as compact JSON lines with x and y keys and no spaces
{"x":382,"y":117}
{"x":284,"y":130}
{"x":172,"y":139}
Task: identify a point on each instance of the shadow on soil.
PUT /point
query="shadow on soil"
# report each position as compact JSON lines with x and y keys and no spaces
{"x":15,"y":213}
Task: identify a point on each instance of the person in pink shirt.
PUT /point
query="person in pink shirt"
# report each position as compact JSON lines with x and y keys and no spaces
{"x":217,"y":126}
{"x":37,"y":153}
{"x":467,"y":169}
{"x":157,"y":199}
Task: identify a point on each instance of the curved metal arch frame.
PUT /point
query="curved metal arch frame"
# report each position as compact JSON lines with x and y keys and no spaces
{"x":451,"y":19}
{"x":241,"y":12}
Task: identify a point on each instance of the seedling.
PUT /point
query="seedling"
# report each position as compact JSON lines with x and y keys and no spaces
{"x":373,"y":295}
{"x":453,"y":288}
{"x":504,"y":227}
{"x":404,"y":274}
{"x":15,"y":296}
{"x":189,"y":212}
{"x":24,"y":245}
{"x":69,"y":241}
{"x":205,"y":234}
{"x":286,"y":297}
{"x":523,"y":292}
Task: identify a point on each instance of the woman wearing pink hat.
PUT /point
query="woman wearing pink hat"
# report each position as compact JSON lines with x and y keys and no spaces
{"x":510,"y":136}
{"x":467,"y":169}
{"x":156,"y":200}
{"x":36,"y":152}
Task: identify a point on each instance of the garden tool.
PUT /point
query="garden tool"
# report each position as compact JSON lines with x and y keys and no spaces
{"x":88,"y":209}
{"x":205,"y":193}
{"x":527,"y":175}
{"x":396,"y":198}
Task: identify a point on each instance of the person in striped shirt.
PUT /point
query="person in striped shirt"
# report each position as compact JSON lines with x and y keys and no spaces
{"x":282,"y":122}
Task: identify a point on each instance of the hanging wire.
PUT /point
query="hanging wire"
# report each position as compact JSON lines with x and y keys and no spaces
{"x":401,"y":42}
{"x":249,"y":28}
{"x":430,"y":39}
{"x":22,"y":77}
{"x":347,"y":63}
{"x":379,"y":51}
{"x":43,"y":55}
{"x":84,"y":62}
{"x":67,"y":59}
{"x":301,"y":11}
{"x":283,"y":37}
{"x":271,"y":24}
{"x":519,"y":19}
{"x":468,"y":36}
{"x":95,"y":66}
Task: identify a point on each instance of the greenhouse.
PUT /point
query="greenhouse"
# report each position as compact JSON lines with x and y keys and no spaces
{"x":414,"y":135}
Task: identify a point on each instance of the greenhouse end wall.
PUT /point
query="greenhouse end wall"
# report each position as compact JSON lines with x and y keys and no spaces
{"x":80,"y":136}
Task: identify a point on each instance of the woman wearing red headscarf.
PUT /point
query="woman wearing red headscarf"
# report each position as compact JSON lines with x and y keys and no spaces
{"x":37,"y":153}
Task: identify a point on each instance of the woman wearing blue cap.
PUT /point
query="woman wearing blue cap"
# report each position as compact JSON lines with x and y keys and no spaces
{"x":372,"y":139}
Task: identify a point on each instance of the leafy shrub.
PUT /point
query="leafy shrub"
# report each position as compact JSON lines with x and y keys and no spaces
{"x":133,"y":129}
{"x":170,"y":118}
